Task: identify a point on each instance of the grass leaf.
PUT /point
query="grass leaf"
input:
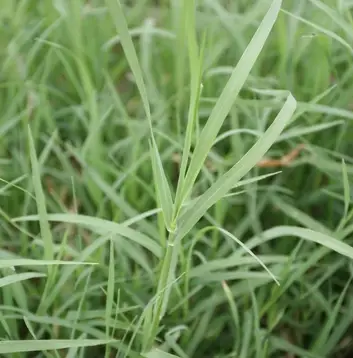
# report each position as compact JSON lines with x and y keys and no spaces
{"x":102,"y":226}
{"x":229,"y":95}
{"x":40,"y":200}
{"x":160,"y":179}
{"x":228,"y":180}
{"x":8,"y":280}
{"x":29,"y":262}
{"x":18,"y":346}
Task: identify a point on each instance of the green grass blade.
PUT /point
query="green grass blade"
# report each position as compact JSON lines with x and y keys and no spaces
{"x":227,"y":233}
{"x":162,"y":186}
{"x":40,"y":200}
{"x":29,"y":262}
{"x":228,"y":96}
{"x":18,"y":346}
{"x":306,"y":234}
{"x":228,"y":262}
{"x":102,"y":226}
{"x":298,"y":132}
{"x":8,"y":280}
{"x":193,"y":214}
{"x":247,"y":330}
{"x":287,"y":347}
{"x":195,"y":65}
{"x":319,"y":345}
{"x":116,"y":12}
{"x":29,"y":326}
{"x":234,"y":314}
{"x":299,"y":216}
{"x":346,"y":188}
{"x":157,"y":353}
{"x":321,"y":29}
{"x":335,"y":16}
{"x":341,"y":327}
{"x":110,"y":292}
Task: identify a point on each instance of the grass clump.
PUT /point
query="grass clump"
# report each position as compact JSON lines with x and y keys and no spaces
{"x":176,"y":179}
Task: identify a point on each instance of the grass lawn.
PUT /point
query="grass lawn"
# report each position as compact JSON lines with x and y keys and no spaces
{"x":175,"y":178}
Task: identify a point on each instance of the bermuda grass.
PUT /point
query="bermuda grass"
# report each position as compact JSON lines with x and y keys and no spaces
{"x":175,"y":178}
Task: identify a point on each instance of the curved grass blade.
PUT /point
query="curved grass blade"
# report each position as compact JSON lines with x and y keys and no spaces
{"x":8,"y":280}
{"x":305,"y":234}
{"x":102,"y":226}
{"x":227,"y":233}
{"x":195,"y":65}
{"x":321,"y":29}
{"x":335,"y":17}
{"x":161,"y":183}
{"x":161,"y":186}
{"x":228,"y":96}
{"x":156,"y":353}
{"x":194,"y":213}
{"x":116,"y":12}
{"x":18,"y":346}
{"x":28,"y":262}
{"x":40,"y":200}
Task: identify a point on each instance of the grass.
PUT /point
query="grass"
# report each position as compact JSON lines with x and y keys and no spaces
{"x":176,"y":179}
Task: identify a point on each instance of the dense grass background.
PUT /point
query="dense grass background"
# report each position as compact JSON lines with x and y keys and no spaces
{"x":76,"y":139}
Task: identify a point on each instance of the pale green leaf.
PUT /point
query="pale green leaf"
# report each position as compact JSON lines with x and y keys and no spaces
{"x":18,"y":346}
{"x":28,"y":262}
{"x":228,"y":96}
{"x":8,"y":280}
{"x":102,"y":226}
{"x":193,"y":214}
{"x":40,"y":200}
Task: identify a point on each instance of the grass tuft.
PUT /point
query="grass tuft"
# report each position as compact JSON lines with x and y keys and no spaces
{"x":176,"y":179}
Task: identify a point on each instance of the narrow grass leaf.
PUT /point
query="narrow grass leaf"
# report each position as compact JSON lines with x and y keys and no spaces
{"x":157,"y":353}
{"x":321,"y":29}
{"x":324,"y":109}
{"x":228,"y":180}
{"x":73,"y":352}
{"x":110,"y":289}
{"x":234,"y":314}
{"x":346,"y":188}
{"x":116,"y":12}
{"x":29,"y":262}
{"x":341,"y":327}
{"x":299,"y":132}
{"x":119,"y":201}
{"x":285,"y":346}
{"x":247,"y":333}
{"x":220,"y":276}
{"x":83,"y":327}
{"x":8,"y":280}
{"x":335,"y":16}
{"x":40,"y":200}
{"x":195,"y":66}
{"x":162,"y":186}
{"x":299,"y":216}
{"x":319,"y":345}
{"x":227,"y":233}
{"x":19,"y":346}
{"x":84,"y":274}
{"x":228,"y":96}
{"x":306,"y":234}
{"x":29,"y":327}
{"x":102,"y":226}
{"x":222,"y":264}
{"x":68,"y":271}
{"x":238,"y":184}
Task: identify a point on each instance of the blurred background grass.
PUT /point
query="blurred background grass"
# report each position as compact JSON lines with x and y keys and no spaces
{"x":63,"y":71}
